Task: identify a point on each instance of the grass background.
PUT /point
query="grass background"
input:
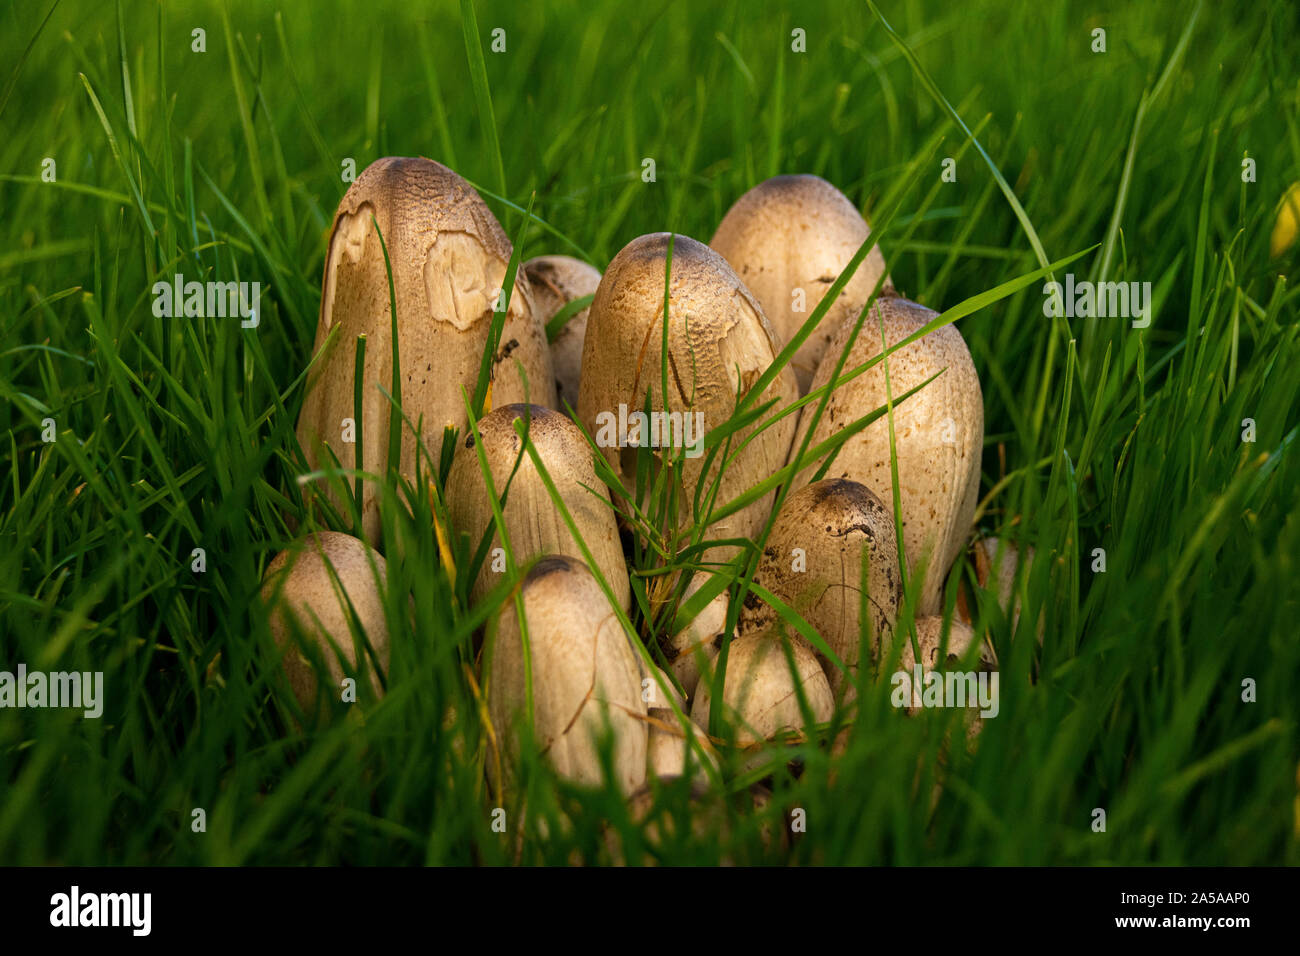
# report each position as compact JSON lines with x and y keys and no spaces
{"x":176,"y":434}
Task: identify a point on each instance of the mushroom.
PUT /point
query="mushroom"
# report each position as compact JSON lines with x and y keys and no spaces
{"x":656,"y":696}
{"x":939,"y":432}
{"x":997,"y":561}
{"x":448,"y":256}
{"x":929,"y":638}
{"x":556,"y":281}
{"x":813,"y":562}
{"x":585,"y":678}
{"x":532,"y":519}
{"x":693,"y":649}
{"x":719,"y":344}
{"x":311,"y":589}
{"x":670,"y":754}
{"x":788,"y":239}
{"x":760,"y":692}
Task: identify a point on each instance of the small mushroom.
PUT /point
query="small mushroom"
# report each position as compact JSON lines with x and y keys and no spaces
{"x":532,"y":519}
{"x":308,"y":599}
{"x":719,"y":344}
{"x":997,"y":561}
{"x":585,"y":678}
{"x":813,"y":562}
{"x":929,"y":638}
{"x":760,"y":696}
{"x":448,"y":257}
{"x":556,"y":281}
{"x":670,"y":754}
{"x":693,"y":649}
{"x":939,"y":432}
{"x":788,"y":239}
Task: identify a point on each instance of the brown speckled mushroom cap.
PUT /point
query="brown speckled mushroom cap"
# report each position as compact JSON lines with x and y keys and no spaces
{"x":534,"y":523}
{"x":585,"y":674}
{"x":939,"y":432}
{"x":719,"y":344}
{"x":298,"y":583}
{"x":555,"y":282}
{"x":449,"y":257}
{"x":813,"y":562}
{"x":799,"y":232}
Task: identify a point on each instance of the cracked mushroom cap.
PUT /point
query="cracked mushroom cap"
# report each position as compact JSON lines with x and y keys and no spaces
{"x":798,"y":233}
{"x":939,"y":432}
{"x":719,"y":343}
{"x":448,"y":256}
{"x":813,"y":562}
{"x":532,"y":519}
{"x":585,"y":677}
{"x":298,"y":588}
{"x":760,"y":698}
{"x":556,"y":281}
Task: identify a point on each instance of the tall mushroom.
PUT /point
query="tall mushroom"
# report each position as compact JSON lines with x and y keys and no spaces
{"x":448,"y":257}
{"x":532,"y":519}
{"x":788,"y":239}
{"x":939,"y":431}
{"x":719,"y":344}
{"x":585,"y":677}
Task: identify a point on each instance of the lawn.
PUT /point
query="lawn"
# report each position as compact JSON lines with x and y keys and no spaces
{"x":1151,"y":463}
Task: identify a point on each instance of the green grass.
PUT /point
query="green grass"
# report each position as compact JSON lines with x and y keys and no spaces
{"x":175,"y":434}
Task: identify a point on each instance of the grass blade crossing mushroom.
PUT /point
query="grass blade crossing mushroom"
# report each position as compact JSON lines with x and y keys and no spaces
{"x":788,"y":239}
{"x":814,"y":560}
{"x":585,"y":677}
{"x":312,"y":589}
{"x":760,"y":693}
{"x":939,"y":430}
{"x":718,"y":344}
{"x":533,"y":523}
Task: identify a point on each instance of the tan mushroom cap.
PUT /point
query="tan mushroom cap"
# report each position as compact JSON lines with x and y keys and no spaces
{"x":719,"y":344}
{"x":532,"y":519}
{"x":813,"y":562}
{"x":449,"y":257}
{"x":799,"y":232}
{"x":760,"y":697}
{"x":556,"y":281}
{"x":298,"y":584}
{"x":939,"y":432}
{"x":585,"y":677}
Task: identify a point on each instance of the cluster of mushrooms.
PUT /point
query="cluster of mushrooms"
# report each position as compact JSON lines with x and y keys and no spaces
{"x":732,"y":305}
